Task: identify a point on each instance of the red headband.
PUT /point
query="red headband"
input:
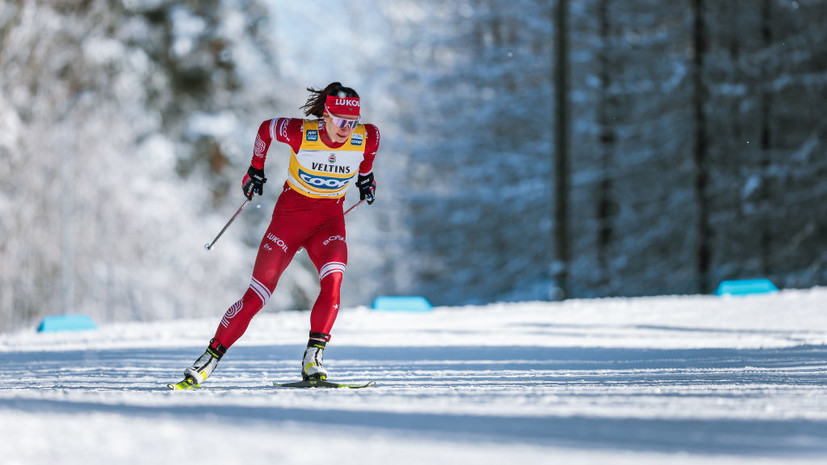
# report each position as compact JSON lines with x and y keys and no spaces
{"x":342,"y":106}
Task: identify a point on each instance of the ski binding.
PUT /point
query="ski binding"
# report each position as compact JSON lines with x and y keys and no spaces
{"x":184,"y":385}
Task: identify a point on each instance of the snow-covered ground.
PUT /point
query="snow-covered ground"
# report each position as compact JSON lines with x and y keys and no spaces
{"x":640,"y":381}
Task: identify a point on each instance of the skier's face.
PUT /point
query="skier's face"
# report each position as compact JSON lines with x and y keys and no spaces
{"x":339,"y":128}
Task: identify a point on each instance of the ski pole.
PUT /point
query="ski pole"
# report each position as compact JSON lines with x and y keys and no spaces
{"x":209,"y":246}
{"x":354,"y":206}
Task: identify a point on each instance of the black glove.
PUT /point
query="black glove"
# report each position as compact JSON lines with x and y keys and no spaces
{"x":253,"y":182}
{"x":367,"y":188}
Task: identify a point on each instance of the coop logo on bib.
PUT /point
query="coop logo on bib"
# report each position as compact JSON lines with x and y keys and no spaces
{"x":323,"y":182}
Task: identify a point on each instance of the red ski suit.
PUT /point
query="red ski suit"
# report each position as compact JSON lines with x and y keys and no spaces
{"x":308,"y":214}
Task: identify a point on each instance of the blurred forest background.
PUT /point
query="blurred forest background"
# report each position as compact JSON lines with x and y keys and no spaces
{"x":531,"y":149}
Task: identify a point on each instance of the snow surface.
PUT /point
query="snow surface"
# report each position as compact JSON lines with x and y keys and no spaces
{"x":666,"y":380}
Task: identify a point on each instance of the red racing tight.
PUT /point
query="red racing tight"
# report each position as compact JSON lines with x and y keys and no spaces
{"x":318,"y":225}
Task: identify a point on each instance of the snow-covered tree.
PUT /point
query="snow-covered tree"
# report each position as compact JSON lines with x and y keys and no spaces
{"x":697,"y":148}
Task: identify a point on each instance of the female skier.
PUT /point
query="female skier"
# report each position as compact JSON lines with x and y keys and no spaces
{"x":327,"y":153}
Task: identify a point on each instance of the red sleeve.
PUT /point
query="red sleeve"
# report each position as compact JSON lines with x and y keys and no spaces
{"x":371,"y":148}
{"x":286,"y":130}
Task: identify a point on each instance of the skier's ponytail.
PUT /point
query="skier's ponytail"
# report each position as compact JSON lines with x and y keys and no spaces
{"x":315,"y":103}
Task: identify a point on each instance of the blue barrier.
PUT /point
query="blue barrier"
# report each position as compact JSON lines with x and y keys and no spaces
{"x":56,"y":323}
{"x":746,"y":287}
{"x":402,"y":304}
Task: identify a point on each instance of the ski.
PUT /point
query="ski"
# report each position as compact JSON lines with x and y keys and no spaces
{"x":321,"y":383}
{"x":189,"y":384}
{"x":184,"y":385}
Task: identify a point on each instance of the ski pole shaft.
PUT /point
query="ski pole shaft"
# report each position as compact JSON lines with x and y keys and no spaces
{"x":354,"y":206}
{"x":211,"y":244}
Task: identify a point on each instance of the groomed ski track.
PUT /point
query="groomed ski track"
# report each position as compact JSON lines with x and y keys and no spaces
{"x":664,"y":380}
